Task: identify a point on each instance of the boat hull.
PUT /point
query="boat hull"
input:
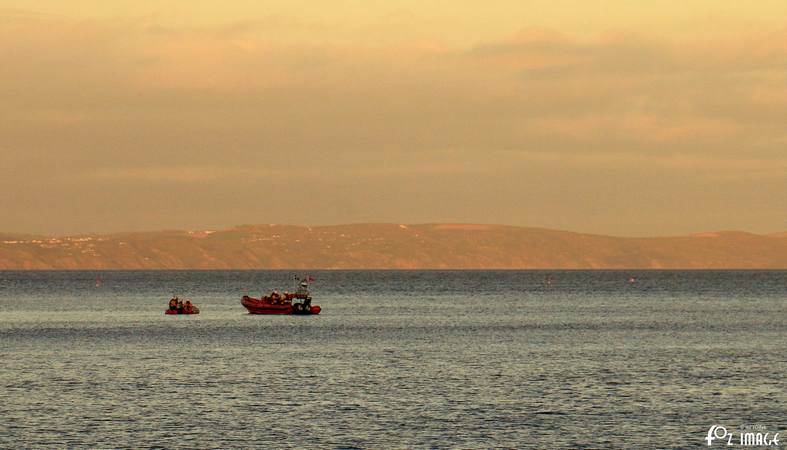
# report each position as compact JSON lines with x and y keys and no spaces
{"x":258,"y":306}
{"x":175,"y":312}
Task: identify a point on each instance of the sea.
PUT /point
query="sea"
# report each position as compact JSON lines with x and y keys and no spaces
{"x":396,"y":359}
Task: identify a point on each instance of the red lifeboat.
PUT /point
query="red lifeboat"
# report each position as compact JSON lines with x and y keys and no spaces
{"x":280,"y":304}
{"x":177,"y":306}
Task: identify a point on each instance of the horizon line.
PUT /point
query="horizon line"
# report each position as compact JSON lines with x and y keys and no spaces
{"x":704,"y":233}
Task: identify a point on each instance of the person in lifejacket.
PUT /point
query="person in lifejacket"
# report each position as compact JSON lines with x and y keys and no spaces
{"x":180,"y":306}
{"x":188,"y":308}
{"x":173,"y":303}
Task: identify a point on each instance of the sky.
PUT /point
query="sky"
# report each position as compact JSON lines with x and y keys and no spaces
{"x":649,"y":118}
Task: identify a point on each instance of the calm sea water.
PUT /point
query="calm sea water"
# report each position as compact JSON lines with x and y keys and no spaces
{"x":418,"y":359}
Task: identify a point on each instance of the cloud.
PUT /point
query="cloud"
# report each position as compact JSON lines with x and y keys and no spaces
{"x":214,"y":174}
{"x":101,"y":104}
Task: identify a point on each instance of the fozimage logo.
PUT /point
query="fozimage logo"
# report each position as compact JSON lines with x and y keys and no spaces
{"x":748,"y":436}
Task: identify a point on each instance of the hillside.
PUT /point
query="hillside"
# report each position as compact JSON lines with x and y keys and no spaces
{"x":377,"y":246}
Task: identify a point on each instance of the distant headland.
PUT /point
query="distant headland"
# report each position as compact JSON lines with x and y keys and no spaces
{"x":391,"y":246}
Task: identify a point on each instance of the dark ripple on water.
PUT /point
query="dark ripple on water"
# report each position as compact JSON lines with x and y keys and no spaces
{"x":397,"y":359}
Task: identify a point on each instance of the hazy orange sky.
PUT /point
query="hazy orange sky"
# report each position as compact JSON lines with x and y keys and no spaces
{"x":613,"y":117}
